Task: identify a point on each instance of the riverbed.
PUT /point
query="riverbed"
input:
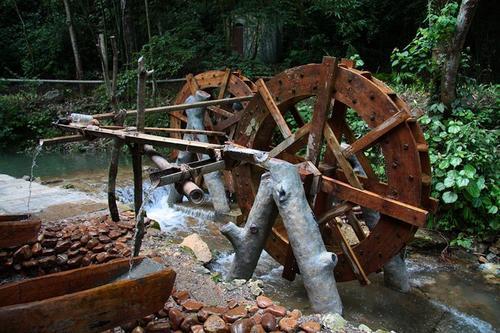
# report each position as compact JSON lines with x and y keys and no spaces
{"x":448,"y":296}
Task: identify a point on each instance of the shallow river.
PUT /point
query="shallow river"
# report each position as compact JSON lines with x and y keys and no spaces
{"x":446,"y":297}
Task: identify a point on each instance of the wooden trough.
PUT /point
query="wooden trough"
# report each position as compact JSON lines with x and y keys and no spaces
{"x":18,"y":229}
{"x":89,"y":299}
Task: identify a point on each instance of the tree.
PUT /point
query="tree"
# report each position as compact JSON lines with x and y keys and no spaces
{"x":74,"y":44}
{"x":454,"y":50}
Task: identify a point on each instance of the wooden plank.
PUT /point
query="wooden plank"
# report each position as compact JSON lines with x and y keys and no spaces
{"x":351,"y":257}
{"x":182,"y":130}
{"x":371,"y":137}
{"x":220,"y":111}
{"x":321,"y":108}
{"x":292,"y":139}
{"x":229,"y":121}
{"x":344,"y":164}
{"x":62,"y":139}
{"x":225,"y":82}
{"x":383,"y":204}
{"x":193,"y":85}
{"x":179,"y":116}
{"x":18,"y":232}
{"x":134,"y":137}
{"x":273,"y":108}
{"x":91,"y":310}
{"x":178,"y":107}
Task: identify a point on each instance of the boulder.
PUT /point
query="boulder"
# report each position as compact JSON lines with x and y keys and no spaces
{"x":198,"y":246}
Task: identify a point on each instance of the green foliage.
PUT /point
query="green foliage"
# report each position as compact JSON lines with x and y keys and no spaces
{"x":415,"y":62}
{"x":464,"y":155}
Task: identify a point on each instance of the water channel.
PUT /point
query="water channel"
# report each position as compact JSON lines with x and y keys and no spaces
{"x":446,"y":296}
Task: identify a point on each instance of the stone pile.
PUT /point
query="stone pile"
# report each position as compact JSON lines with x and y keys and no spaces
{"x":184,"y":314}
{"x":70,"y":245}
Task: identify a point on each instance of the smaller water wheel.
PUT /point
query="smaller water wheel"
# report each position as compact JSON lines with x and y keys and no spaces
{"x":219,"y":84}
{"x":353,"y":107}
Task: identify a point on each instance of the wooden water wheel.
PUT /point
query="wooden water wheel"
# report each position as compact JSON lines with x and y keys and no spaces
{"x":219,"y":84}
{"x":349,"y":106}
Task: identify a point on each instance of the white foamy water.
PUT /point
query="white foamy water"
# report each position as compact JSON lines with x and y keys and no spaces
{"x":461,"y":322}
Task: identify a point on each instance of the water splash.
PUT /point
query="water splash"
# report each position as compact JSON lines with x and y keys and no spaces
{"x":460,"y":321}
{"x":37,"y":152}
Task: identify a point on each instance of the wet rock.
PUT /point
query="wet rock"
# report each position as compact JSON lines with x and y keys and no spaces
{"x":288,"y":324}
{"x":62,"y":246}
{"x":86,"y":260}
{"x":426,"y":239}
{"x":197,"y":329}
{"x":102,"y":257}
{"x":23,"y":253}
{"x":47,"y":262}
{"x":159,"y":326}
{"x":215,"y":324}
{"x":73,"y":253}
{"x":491,"y":256}
{"x":243,"y":325}
{"x":277,"y":310}
{"x":257,"y":318}
{"x":311,"y":326}
{"x":75,"y":262}
{"x":138,"y":329}
{"x":365,"y":329}
{"x":207,"y":311}
{"x":232,"y":304}
{"x":84,"y":239}
{"x":333,"y":321}
{"x":36,"y":249}
{"x":75,"y":245}
{"x":99,"y":248}
{"x":268,"y":321}
{"x":253,"y":309}
{"x":191,"y":305}
{"x":234,"y":314}
{"x":482,"y":259}
{"x":264,"y":302}
{"x":104,"y":239}
{"x":257,"y":329}
{"x":30,"y":263}
{"x":114,"y":234}
{"x":61,"y":259}
{"x":180,"y":296}
{"x":198,"y":246}
{"x":176,"y":317}
{"x":148,"y":318}
{"x":92,"y":243}
{"x":295,"y":314}
{"x":47,"y":252}
{"x":189,"y":321}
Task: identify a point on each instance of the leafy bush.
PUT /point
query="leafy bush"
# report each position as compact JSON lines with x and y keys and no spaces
{"x":464,"y":154}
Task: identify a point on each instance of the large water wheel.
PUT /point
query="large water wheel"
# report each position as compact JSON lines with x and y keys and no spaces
{"x":355,"y":108}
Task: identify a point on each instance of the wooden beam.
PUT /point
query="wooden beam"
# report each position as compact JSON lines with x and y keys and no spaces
{"x":344,"y":164}
{"x":273,"y":108}
{"x":62,"y":139}
{"x":291,"y":140}
{"x":225,"y":82}
{"x":182,"y":130}
{"x":193,"y":85}
{"x":17,"y":230}
{"x":134,"y":137}
{"x":368,"y":140}
{"x":407,"y":213}
{"x":220,"y":111}
{"x":321,"y":108}
{"x":229,"y":121}
{"x":178,"y":107}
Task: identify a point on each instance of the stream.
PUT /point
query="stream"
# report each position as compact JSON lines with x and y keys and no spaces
{"x":446,"y":297}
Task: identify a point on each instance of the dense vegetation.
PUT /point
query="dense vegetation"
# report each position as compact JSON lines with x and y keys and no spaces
{"x":407,"y":43}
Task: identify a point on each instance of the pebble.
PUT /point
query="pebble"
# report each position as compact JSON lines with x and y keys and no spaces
{"x":333,"y":321}
{"x":159,"y":326}
{"x":295,"y":314}
{"x":311,"y":326}
{"x":268,"y":321}
{"x":236,"y":313}
{"x":215,"y":324}
{"x":191,"y":305}
{"x":257,"y":329}
{"x":180,"y":296}
{"x":277,"y":310}
{"x":243,"y":325}
{"x":197,"y":329}
{"x":176,"y":317}
{"x":189,"y":321}
{"x":138,"y":329}
{"x":288,"y":324}
{"x":264,"y":302}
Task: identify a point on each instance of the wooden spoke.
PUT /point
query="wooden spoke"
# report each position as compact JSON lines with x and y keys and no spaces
{"x":321,"y":109}
{"x":220,"y":111}
{"x":291,"y":141}
{"x":229,"y":121}
{"x":334,"y":145}
{"x":372,"y":137}
{"x":407,"y":213}
{"x":193,"y":85}
{"x":297,"y":117}
{"x":225,"y":81}
{"x":349,"y":253}
{"x":179,"y":115}
{"x":273,"y":109}
{"x":356,"y":225}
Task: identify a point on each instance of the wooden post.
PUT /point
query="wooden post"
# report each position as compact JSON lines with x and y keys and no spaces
{"x":142,"y":75}
{"x":249,"y":241}
{"x":117,"y":143}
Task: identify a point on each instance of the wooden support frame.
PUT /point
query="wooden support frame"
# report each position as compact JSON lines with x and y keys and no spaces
{"x":273,"y":108}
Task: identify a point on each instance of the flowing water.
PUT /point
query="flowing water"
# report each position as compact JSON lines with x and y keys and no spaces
{"x":37,"y":152}
{"x":446,"y":297}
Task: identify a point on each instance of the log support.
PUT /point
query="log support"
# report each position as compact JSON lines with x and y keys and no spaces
{"x":315,"y":263}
